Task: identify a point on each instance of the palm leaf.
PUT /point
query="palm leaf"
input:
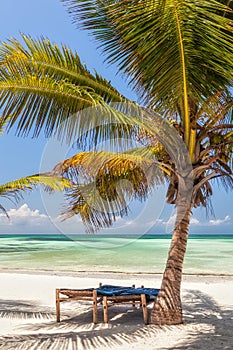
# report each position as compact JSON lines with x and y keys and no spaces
{"x":96,"y":212}
{"x":150,"y":50}
{"x":164,"y":46}
{"x":62,"y":63}
{"x":15,"y":189}
{"x":90,"y":165}
{"x":3,"y":124}
{"x":42,"y":85}
{"x":106,"y":183}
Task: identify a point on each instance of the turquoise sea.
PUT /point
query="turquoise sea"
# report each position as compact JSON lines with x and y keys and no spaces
{"x":147,"y":254}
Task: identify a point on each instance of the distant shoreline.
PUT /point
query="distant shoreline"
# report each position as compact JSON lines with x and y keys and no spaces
{"x":115,"y":274}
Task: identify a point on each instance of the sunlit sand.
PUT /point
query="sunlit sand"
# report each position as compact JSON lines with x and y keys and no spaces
{"x":28,"y":316}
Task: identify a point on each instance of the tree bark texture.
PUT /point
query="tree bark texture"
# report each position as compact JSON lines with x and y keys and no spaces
{"x":167,"y":308}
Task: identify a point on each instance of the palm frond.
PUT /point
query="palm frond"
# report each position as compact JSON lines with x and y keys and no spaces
{"x":41,"y":86}
{"x":106,"y":183}
{"x":96,"y":164}
{"x":48,"y":180}
{"x":3,"y":122}
{"x":225,"y":181}
{"x":4,"y":211}
{"x":62,"y":63}
{"x":145,"y":38}
{"x":96,"y":212}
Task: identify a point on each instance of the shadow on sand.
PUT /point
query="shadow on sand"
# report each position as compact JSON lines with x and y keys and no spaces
{"x":206,"y":326}
{"x":214,"y":323}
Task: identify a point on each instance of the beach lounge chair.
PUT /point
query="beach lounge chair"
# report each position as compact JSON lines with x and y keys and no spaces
{"x":108,"y":295}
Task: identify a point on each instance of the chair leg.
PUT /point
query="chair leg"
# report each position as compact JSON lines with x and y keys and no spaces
{"x":144,"y":308}
{"x":142,"y":286}
{"x":100,"y":285}
{"x":105,"y":309}
{"x":57,"y":305}
{"x":95,"y":316}
{"x":133,"y":302}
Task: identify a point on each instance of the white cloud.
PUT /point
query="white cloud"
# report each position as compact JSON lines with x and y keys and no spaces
{"x":73,"y":220}
{"x":25,"y":220}
{"x":194,"y":221}
{"x":171,"y":221}
{"x":218,"y":222}
{"x":23,"y":216}
{"x":218,"y":225}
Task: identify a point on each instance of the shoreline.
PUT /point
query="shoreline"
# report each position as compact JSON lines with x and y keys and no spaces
{"x":111,"y":274}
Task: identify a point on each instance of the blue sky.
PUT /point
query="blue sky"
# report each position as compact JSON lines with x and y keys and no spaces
{"x":22,"y":156}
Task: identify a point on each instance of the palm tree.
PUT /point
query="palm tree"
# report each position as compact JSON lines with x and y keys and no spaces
{"x":99,"y":200}
{"x":173,"y":53}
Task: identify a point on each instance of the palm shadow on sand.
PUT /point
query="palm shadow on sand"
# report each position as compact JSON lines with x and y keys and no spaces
{"x":216,"y":323}
{"x":209,"y":327}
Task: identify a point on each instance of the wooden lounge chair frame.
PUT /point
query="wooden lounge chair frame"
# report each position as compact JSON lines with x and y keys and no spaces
{"x":107,"y":301}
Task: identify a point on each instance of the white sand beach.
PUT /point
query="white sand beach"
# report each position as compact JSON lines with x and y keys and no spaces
{"x":27,"y":314}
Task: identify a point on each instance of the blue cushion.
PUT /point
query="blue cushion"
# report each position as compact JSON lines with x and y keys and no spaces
{"x":109,"y":290}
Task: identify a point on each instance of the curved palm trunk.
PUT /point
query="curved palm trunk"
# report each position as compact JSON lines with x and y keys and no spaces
{"x":167,"y":308}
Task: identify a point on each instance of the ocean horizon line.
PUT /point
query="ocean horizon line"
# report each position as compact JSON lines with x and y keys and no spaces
{"x":113,"y":235}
